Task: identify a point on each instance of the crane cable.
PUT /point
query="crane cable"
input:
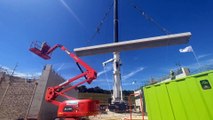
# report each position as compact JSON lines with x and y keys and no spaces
{"x":149,"y":18}
{"x":153,"y":21}
{"x":99,"y":26}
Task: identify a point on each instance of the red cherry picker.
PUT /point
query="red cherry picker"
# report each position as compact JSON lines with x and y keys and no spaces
{"x":72,"y":108}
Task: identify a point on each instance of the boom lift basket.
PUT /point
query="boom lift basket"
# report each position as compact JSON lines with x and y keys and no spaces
{"x":40,"y":49}
{"x":71,"y":108}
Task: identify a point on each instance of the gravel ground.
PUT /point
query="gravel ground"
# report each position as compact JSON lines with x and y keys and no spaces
{"x":118,"y":116}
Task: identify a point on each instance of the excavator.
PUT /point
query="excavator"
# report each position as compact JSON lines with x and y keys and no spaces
{"x":72,"y":108}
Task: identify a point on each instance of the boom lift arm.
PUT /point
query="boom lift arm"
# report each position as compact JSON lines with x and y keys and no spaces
{"x":53,"y":92}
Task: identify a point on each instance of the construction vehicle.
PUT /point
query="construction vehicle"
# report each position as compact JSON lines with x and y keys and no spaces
{"x":72,"y":108}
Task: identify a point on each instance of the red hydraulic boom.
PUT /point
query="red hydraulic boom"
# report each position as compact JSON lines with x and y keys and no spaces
{"x":71,"y":108}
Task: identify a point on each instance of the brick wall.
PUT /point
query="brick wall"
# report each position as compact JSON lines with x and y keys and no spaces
{"x":23,"y":100}
{"x":15,"y":99}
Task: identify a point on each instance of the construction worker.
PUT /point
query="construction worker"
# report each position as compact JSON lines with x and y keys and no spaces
{"x":172,"y":74}
{"x":44,"y":47}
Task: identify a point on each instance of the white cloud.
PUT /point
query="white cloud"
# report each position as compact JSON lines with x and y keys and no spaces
{"x":72,"y":12}
{"x":64,"y":66}
{"x":27,"y":75}
{"x":60,"y":67}
{"x":209,"y":61}
{"x":106,"y":69}
{"x":194,"y":66}
{"x":109,"y":68}
{"x":203,"y":55}
{"x":21,"y":74}
{"x":132,"y":73}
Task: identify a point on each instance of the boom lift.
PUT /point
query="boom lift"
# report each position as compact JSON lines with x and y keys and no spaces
{"x":71,"y":108}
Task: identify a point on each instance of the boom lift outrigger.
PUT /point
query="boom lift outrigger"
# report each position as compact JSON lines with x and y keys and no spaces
{"x":72,"y":108}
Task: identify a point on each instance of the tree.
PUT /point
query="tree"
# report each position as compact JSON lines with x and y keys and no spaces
{"x":82,"y":89}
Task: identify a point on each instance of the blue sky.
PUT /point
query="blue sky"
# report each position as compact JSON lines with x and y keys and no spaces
{"x":73,"y":22}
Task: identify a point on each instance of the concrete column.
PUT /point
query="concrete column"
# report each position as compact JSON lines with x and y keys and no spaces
{"x":40,"y":109}
{"x":39,"y":93}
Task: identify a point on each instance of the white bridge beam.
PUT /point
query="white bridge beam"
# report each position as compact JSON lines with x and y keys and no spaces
{"x":159,"y":41}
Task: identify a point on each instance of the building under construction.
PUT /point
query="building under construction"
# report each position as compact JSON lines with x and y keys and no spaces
{"x":24,"y":99}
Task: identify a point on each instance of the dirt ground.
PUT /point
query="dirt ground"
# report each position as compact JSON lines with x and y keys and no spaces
{"x":118,"y":116}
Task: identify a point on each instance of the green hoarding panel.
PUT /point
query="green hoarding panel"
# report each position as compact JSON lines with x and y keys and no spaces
{"x":165,"y":109}
{"x":189,"y":98}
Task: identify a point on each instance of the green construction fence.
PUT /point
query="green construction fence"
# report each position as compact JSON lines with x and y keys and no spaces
{"x":189,"y":98}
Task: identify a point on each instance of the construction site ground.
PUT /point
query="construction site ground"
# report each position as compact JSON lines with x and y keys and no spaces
{"x":118,"y":116}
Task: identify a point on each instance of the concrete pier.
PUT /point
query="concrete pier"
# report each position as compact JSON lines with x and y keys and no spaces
{"x":39,"y":108}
